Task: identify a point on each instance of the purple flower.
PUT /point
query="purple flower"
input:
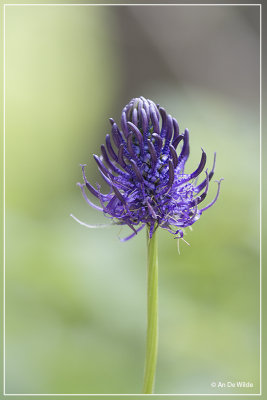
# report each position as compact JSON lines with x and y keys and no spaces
{"x":140,"y":164}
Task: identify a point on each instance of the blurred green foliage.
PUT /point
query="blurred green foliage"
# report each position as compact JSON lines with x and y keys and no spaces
{"x":76,"y":298}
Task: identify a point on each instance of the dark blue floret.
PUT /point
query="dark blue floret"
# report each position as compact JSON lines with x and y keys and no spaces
{"x":140,"y":164}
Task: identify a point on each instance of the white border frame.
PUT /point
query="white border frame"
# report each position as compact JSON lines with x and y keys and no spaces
{"x":4,"y":220}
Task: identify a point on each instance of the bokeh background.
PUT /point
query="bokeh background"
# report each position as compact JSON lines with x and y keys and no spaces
{"x":76,"y":298}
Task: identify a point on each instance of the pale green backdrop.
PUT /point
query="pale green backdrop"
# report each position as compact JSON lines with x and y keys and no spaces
{"x":76,"y":298}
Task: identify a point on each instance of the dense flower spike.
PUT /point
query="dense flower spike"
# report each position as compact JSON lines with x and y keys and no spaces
{"x":148,"y":185}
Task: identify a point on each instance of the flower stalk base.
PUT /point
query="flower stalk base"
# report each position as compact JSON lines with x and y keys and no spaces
{"x":152,"y":313}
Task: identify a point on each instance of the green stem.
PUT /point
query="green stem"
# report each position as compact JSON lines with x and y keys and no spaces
{"x":152,"y":313}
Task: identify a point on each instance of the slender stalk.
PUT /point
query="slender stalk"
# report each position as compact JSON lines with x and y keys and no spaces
{"x":152,"y":313}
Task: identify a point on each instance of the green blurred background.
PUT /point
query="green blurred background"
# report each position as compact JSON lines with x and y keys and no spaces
{"x":76,"y":298}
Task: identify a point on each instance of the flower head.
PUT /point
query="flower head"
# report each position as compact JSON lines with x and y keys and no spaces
{"x":140,"y":164}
